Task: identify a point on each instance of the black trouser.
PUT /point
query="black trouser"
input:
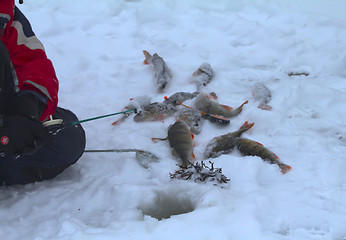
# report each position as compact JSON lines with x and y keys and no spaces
{"x":48,"y":161}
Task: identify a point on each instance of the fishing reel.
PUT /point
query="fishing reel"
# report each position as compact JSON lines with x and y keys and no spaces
{"x":53,"y":125}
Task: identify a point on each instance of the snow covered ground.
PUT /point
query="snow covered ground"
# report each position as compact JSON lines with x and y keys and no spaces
{"x":96,"y":48}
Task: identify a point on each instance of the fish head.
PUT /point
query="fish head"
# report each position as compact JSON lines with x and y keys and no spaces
{"x":207,"y":69}
{"x":194,"y":121}
{"x":179,"y":131}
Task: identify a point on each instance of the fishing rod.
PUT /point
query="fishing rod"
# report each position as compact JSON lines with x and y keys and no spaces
{"x":55,"y":125}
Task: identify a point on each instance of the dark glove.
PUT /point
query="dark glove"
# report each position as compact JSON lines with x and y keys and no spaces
{"x":21,"y":135}
{"x":22,"y":132}
{"x":25,"y":104}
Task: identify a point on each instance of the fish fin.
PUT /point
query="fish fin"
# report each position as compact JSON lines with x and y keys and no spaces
{"x":147,"y":57}
{"x":221,"y":117}
{"x":246,"y":102}
{"x":217,"y":118}
{"x":193,"y":156}
{"x":285,"y":168}
{"x":226,"y":107}
{"x":179,"y":103}
{"x":263,"y":146}
{"x":155,"y":140}
{"x":265,"y":107}
{"x":192,"y":136}
{"x":247,"y":125}
{"x":115,"y":123}
{"x":276,"y":156}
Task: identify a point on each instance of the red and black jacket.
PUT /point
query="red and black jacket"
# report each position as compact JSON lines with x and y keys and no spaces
{"x":35,"y":72}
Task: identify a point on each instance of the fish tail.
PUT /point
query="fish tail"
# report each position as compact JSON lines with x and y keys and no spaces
{"x":147,"y":57}
{"x":246,"y":102}
{"x":284,"y":168}
{"x":246,"y":125}
{"x":236,"y":111}
{"x":265,"y":107}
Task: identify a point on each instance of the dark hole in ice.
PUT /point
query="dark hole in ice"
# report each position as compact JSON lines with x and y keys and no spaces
{"x":165,"y":206}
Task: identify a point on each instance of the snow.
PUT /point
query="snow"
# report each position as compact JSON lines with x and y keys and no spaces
{"x":96,"y":48}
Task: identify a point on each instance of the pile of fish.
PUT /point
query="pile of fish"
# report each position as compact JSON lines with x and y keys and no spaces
{"x":205,"y":106}
{"x":189,"y":121}
{"x":154,"y":111}
{"x":226,"y":143}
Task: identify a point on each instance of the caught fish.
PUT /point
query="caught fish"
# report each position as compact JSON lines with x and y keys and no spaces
{"x":208,"y":104}
{"x":224,"y":143}
{"x":163,"y":74}
{"x":135,"y":104}
{"x":249,"y":147}
{"x":262,"y":95}
{"x":213,"y":118}
{"x":192,"y":118}
{"x":159,"y":111}
{"x":203,"y":75}
{"x":180,"y":97}
{"x":154,"y":112}
{"x":180,"y":139}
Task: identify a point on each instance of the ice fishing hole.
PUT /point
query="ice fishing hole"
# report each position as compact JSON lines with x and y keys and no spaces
{"x":166,"y":205}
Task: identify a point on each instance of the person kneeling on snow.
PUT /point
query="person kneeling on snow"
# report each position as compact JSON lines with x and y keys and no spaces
{"x":28,"y":97}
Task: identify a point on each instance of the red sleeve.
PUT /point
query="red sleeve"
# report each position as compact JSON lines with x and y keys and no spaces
{"x":34,"y":70}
